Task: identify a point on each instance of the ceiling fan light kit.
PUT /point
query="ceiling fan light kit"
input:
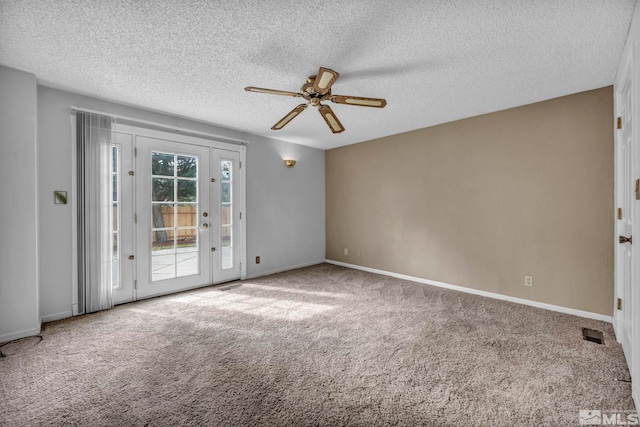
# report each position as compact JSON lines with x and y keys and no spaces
{"x":316,"y":89}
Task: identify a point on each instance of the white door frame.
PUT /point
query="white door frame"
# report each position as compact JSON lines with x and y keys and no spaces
{"x":179,"y":136}
{"x":628,"y":69}
{"x":209,"y":143}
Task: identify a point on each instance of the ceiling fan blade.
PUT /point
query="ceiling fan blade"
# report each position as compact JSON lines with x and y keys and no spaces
{"x":271,"y":91}
{"x":360,"y":101}
{"x":329,"y":116}
{"x":290,"y":116}
{"x":324,"y":80}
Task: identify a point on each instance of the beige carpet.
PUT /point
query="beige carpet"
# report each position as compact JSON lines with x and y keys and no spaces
{"x":322,"y":346}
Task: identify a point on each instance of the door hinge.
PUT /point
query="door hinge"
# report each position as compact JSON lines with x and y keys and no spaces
{"x":131,"y":257}
{"x":135,"y":218}
{"x":637,"y":189}
{"x":135,"y":284}
{"x":240,"y":166}
{"x":619,"y":303}
{"x":213,"y":180}
{"x":619,"y":123}
{"x":240,"y":215}
{"x":135,"y":151}
{"x":131,"y":173}
{"x":619,"y":213}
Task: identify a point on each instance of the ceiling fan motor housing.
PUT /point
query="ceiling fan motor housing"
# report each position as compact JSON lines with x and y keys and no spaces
{"x":311,"y":94}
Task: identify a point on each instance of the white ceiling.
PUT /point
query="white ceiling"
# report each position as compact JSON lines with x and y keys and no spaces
{"x":434,"y":61}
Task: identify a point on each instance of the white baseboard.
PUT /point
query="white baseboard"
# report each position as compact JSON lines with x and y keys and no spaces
{"x":280,"y":270}
{"x":546,"y":306}
{"x":57,"y":316}
{"x":20,"y":334}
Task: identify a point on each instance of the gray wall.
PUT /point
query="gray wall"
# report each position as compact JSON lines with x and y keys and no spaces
{"x":18,"y":206}
{"x":285,"y":206}
{"x":277,"y":198}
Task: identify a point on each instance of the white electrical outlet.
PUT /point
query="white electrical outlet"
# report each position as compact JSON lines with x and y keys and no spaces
{"x":346,"y":251}
{"x":528,"y":280}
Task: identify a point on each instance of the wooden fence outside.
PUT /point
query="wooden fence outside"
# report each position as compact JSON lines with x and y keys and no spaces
{"x":187,"y":216}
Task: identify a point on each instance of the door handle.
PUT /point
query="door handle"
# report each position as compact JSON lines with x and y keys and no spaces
{"x":624,"y":239}
{"x":205,"y":225}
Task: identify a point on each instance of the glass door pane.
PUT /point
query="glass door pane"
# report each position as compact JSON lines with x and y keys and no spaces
{"x":116,"y":176}
{"x":226,"y":213}
{"x":174,"y":216}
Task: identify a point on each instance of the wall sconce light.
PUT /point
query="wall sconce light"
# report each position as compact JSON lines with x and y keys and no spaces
{"x":289,"y":163}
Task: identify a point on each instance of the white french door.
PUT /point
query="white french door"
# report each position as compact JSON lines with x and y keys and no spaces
{"x":172,"y":209}
{"x":122,"y":229}
{"x":627,"y":194}
{"x":225,"y":250}
{"x":177,"y":207}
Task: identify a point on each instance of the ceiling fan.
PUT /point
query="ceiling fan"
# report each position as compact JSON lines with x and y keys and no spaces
{"x":317,"y":89}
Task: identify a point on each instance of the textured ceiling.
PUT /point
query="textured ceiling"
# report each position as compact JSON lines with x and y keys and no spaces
{"x":434,"y":61}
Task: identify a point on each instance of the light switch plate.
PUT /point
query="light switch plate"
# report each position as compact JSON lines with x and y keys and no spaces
{"x":60,"y":197}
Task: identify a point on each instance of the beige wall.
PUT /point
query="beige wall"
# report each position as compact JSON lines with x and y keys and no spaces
{"x":484,"y":201}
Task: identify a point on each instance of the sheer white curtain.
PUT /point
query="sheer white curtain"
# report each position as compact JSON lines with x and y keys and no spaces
{"x":95,"y":137}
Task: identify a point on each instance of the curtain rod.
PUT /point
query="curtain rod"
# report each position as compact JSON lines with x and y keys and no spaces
{"x":161,"y":125}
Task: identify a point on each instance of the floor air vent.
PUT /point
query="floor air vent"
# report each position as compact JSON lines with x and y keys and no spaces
{"x":592,"y":335}
{"x":226,"y":288}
